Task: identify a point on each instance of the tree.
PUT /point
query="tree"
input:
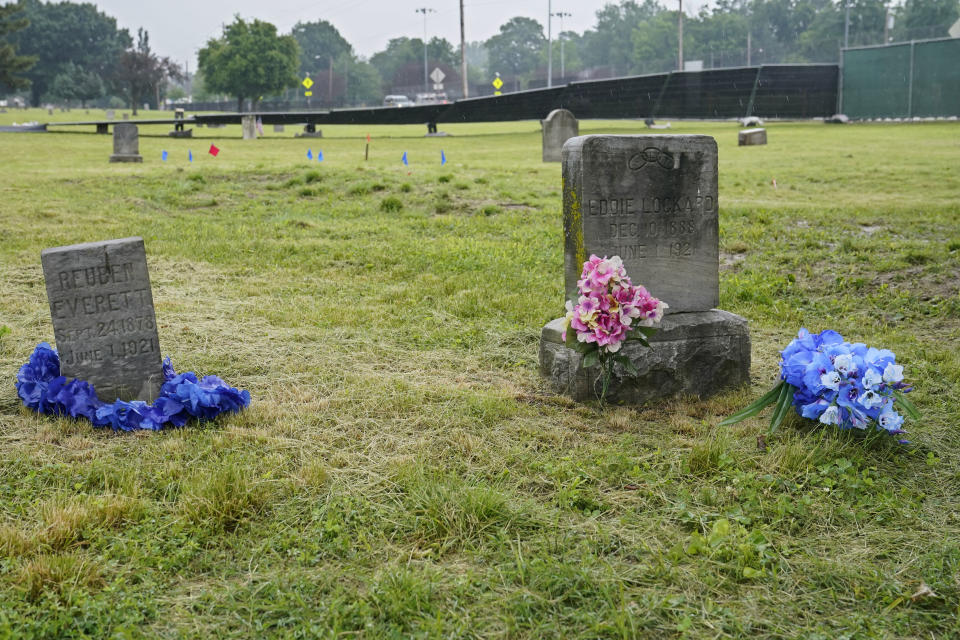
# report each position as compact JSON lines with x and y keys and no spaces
{"x":609,"y":43}
{"x":250,"y":61}
{"x":12,"y":64}
{"x":73,"y":83}
{"x":721,"y":35}
{"x":362,"y":82}
{"x":401,"y":63}
{"x":516,"y":49}
{"x":142,"y":74}
{"x":320,"y":42}
{"x":64,"y":31}
{"x":918,"y":19}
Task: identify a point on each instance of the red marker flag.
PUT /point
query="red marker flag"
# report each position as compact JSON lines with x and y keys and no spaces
{"x":214,"y":150}
{"x":368,"y":138}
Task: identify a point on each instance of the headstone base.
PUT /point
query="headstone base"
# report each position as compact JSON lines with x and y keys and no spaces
{"x":309,"y":134}
{"x":186,"y":133}
{"x":698,"y":353}
{"x":437,"y":134}
{"x":126,"y":157}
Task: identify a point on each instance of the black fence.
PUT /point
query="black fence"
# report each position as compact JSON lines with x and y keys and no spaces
{"x":768,"y":91}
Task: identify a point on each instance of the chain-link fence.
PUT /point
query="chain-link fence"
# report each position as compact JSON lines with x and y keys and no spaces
{"x":904,"y":80}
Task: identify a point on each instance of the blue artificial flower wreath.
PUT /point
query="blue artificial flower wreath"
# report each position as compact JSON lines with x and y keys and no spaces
{"x":42,"y":388}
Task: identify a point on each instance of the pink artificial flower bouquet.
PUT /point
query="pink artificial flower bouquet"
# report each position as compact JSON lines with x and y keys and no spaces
{"x":609,"y":307}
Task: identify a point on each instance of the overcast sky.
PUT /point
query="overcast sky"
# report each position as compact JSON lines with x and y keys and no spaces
{"x":178,"y":28}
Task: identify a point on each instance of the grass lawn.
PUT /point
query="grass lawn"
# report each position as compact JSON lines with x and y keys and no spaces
{"x":403,"y":470}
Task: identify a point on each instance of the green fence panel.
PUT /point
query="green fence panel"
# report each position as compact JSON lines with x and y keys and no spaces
{"x":936,"y":78}
{"x":876,"y":82}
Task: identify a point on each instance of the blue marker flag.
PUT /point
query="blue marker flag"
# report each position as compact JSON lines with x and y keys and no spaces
{"x":405,"y":159}
{"x":443,"y":158}
{"x":163,"y":155}
{"x":309,"y":154}
{"x":190,"y":156}
{"x":319,"y":155}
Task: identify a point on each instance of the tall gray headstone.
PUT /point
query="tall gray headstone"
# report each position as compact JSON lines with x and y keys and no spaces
{"x":110,"y":114}
{"x":249,"y":124}
{"x":278,"y":128}
{"x":652,"y":200}
{"x":558,"y":127}
{"x":126,"y":143}
{"x":103,"y":318}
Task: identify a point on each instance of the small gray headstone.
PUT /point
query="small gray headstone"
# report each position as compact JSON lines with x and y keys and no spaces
{"x":839,"y":118}
{"x":126,"y":143}
{"x":309,"y":131}
{"x":49,"y":111}
{"x":103,"y":317}
{"x":278,"y":128}
{"x":126,"y":116}
{"x":751,"y":137}
{"x":110,"y":114}
{"x":558,"y":127}
{"x":249,"y":124}
{"x":652,"y":200}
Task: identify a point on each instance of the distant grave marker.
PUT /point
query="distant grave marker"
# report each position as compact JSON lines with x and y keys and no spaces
{"x":249,"y":125}
{"x":126,"y":143}
{"x":752,"y":137}
{"x":278,"y":128}
{"x":309,"y":131}
{"x":559,"y":126}
{"x":103,"y":317}
{"x":652,"y":200}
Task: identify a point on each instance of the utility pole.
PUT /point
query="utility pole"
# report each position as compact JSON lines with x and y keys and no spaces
{"x":680,"y":37}
{"x":463,"y":53}
{"x":426,"y":81}
{"x":549,"y":44}
{"x":748,"y":47}
{"x":562,"y":15}
{"x":846,"y":25}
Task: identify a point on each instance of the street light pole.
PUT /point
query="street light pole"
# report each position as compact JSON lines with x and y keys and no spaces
{"x":846,"y":25}
{"x":562,"y":15}
{"x":680,"y":37}
{"x":425,"y":11}
{"x":463,"y":53}
{"x":549,"y":44}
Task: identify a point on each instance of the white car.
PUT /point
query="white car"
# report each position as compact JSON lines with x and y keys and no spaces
{"x":397,"y":101}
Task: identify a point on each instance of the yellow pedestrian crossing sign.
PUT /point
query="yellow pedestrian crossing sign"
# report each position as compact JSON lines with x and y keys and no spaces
{"x":307,"y":82}
{"x":497,"y":83}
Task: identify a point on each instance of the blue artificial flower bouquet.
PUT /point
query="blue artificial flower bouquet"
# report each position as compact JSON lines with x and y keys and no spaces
{"x":182,"y":396}
{"x":837,"y":383}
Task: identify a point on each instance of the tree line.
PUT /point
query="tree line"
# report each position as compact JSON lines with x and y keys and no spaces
{"x":73,"y":52}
